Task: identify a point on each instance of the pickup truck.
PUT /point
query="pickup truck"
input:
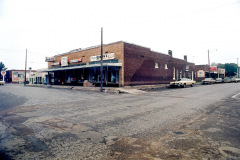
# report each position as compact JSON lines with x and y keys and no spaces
{"x":2,"y":83}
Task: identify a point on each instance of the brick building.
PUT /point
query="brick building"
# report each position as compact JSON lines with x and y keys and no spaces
{"x":18,"y":76}
{"x":123,"y":64}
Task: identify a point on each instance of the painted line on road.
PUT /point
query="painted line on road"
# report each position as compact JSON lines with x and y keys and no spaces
{"x":234,"y":96}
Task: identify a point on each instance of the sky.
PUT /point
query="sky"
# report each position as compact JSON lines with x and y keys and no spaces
{"x":187,"y":27}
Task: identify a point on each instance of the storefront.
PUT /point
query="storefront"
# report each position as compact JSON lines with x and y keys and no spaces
{"x":78,"y":75}
{"x":124,"y":64}
{"x":82,"y":67}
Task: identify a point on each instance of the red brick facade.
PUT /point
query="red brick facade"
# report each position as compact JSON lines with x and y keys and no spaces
{"x":139,"y":65}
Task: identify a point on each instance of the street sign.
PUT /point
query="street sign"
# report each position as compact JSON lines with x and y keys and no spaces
{"x":3,"y":73}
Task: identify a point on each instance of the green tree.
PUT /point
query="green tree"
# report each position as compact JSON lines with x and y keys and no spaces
{"x":230,"y":69}
{"x":2,"y":66}
{"x":220,"y":65}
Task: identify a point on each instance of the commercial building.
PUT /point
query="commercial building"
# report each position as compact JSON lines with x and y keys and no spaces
{"x":18,"y":76}
{"x":124,"y":64}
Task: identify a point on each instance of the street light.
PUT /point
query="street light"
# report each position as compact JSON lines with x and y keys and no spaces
{"x":209,"y":61}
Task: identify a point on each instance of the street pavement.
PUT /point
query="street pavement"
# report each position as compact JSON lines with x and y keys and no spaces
{"x":200,"y":122}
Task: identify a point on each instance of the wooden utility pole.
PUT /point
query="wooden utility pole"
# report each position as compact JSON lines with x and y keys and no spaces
{"x":25,"y":69}
{"x":101,"y":59}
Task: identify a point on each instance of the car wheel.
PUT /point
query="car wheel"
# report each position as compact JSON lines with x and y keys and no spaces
{"x":192,"y":85}
{"x":184,"y":85}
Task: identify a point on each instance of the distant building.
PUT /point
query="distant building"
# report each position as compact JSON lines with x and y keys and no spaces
{"x":38,"y":77}
{"x":202,"y":72}
{"x":18,"y":76}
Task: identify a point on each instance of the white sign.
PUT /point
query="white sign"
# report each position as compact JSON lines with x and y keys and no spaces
{"x":105,"y":57}
{"x":55,"y":64}
{"x":3,"y":73}
{"x":200,"y":73}
{"x":75,"y":60}
{"x":49,"y":59}
{"x":64,"y":61}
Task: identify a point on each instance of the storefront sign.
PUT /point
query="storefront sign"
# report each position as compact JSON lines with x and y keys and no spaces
{"x":213,"y":68}
{"x":55,"y":64}
{"x":64,"y":61}
{"x":200,"y":73}
{"x":75,"y":60}
{"x":221,"y":71}
{"x":105,"y":57}
{"x":49,"y":59}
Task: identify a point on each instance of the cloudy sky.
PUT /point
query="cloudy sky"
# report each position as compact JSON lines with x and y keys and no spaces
{"x":187,"y":27}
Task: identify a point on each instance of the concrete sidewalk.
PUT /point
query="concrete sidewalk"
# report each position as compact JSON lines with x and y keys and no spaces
{"x":127,"y":89}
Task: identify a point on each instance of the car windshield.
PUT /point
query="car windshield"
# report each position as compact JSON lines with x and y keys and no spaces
{"x":183,"y":79}
{"x":208,"y":78}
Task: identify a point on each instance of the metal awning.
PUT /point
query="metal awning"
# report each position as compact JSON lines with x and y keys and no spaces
{"x":82,"y":67}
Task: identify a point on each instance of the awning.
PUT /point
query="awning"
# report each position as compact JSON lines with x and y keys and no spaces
{"x":83,"y":66}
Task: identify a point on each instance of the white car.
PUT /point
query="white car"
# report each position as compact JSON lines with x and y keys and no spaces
{"x":2,"y":82}
{"x":183,"y":82}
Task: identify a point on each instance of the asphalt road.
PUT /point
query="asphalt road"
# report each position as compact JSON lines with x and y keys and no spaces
{"x":182,"y":123}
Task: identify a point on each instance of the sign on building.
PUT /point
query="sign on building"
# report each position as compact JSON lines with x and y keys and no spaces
{"x":213,"y":68}
{"x":49,"y":59}
{"x":64,"y":61}
{"x":200,"y":73}
{"x":105,"y":57}
{"x":55,"y":64}
{"x":75,"y":60}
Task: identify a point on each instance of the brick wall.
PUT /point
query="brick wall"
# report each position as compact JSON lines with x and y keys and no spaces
{"x":139,"y":66}
{"x":85,"y":54}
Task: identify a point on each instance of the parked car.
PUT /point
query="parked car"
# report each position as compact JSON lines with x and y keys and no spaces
{"x":235,"y":80}
{"x":2,"y":83}
{"x":183,"y":82}
{"x":226,"y":80}
{"x":208,"y":81}
{"x":219,"y":80}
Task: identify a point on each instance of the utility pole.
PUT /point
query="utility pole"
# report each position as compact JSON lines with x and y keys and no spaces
{"x":209,"y":64}
{"x":101,"y":59}
{"x":237,"y":69}
{"x":25,"y":69}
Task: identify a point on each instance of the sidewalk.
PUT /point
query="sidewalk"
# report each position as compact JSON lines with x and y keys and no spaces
{"x":127,"y":89}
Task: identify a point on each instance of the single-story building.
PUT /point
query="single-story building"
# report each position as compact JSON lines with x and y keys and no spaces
{"x":124,"y":64}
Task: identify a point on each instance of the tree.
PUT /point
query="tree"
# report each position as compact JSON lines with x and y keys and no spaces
{"x":230,"y":68}
{"x":2,"y":66}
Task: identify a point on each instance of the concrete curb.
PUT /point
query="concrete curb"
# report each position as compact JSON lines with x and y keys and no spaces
{"x":128,"y":89}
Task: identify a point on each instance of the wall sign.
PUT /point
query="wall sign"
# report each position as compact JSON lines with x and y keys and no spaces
{"x":200,"y":73}
{"x":105,"y":57}
{"x":55,"y":64}
{"x":49,"y":59}
{"x":64,"y":61}
{"x":75,"y":60}
{"x":213,"y":68}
